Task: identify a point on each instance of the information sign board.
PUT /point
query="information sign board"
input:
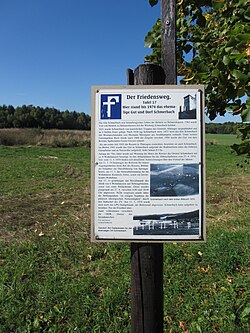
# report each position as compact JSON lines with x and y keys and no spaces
{"x":148,"y":163}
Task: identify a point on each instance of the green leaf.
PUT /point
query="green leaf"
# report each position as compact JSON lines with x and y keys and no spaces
{"x":241,"y":92}
{"x":237,"y":74}
{"x":218,"y":4}
{"x":247,"y":13}
{"x":149,"y":40}
{"x":245,"y":115}
{"x":187,"y":48}
{"x":196,"y":327}
{"x":36,"y":323}
{"x":201,"y":21}
{"x":226,"y":60}
{"x":215,"y":73}
{"x":153,"y":2}
{"x":228,"y":49}
{"x":245,"y":312}
{"x":244,"y":37}
{"x":242,"y":148}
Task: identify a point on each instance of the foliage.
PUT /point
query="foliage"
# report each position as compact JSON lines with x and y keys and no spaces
{"x":213,"y":49}
{"x":29,"y":116}
{"x":244,"y":134}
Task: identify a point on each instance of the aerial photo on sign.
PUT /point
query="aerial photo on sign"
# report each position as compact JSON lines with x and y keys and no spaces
{"x":174,"y":180}
{"x":148,"y":163}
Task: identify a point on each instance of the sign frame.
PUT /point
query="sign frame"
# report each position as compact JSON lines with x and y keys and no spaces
{"x":105,"y":117}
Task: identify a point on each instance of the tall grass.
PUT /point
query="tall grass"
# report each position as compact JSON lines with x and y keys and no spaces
{"x":41,"y":137}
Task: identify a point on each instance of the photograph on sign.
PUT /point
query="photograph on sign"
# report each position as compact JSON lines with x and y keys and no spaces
{"x":168,"y":180}
{"x":147,"y":163}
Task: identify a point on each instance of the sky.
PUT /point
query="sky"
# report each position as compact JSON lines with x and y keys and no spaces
{"x":53,"y":51}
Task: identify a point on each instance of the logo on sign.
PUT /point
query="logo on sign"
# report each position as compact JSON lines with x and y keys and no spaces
{"x":111,"y":106}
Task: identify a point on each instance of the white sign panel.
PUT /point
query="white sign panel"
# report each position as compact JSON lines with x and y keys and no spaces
{"x":148,"y":163}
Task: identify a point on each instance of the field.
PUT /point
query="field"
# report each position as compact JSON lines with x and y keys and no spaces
{"x":52,"y":279}
{"x":42,"y":137}
{"x":222,"y":139}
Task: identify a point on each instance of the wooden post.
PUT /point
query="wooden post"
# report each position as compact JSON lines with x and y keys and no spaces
{"x":146,"y":288}
{"x":168,"y":45}
{"x":146,"y":258}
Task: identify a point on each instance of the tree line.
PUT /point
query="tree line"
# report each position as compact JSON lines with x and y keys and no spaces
{"x":224,"y":128}
{"x":29,"y":116}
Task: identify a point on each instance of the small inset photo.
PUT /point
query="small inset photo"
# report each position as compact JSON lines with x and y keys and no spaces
{"x":174,"y":180}
{"x":181,"y":224}
{"x":188,"y":110}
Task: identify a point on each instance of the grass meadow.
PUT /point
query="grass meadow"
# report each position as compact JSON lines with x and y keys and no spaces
{"x":53,"y":279}
{"x":222,"y":139}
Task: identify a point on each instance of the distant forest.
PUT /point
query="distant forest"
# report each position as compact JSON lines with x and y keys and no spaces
{"x":225,"y":128}
{"x":29,"y":116}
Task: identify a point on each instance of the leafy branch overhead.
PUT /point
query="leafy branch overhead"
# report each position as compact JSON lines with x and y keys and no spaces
{"x":213,"y":48}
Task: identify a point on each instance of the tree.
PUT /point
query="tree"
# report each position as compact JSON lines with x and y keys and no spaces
{"x":83,"y":121}
{"x":213,"y":47}
{"x":34,"y":117}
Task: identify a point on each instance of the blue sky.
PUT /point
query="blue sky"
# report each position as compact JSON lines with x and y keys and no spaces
{"x":53,"y":51}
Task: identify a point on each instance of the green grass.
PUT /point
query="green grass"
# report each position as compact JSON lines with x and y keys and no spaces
{"x":222,"y":139}
{"x":41,"y":169}
{"x":52,"y":279}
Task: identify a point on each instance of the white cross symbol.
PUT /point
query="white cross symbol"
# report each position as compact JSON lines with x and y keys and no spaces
{"x":112,"y":100}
